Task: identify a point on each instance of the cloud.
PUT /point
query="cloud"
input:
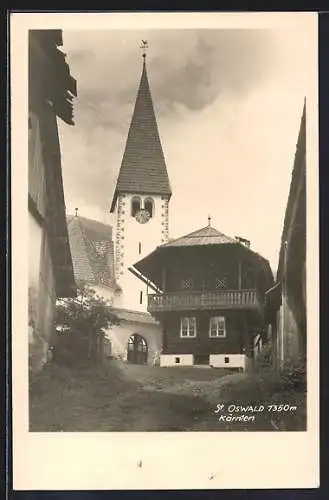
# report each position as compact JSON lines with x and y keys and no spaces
{"x":190,"y":66}
{"x":228,"y":104}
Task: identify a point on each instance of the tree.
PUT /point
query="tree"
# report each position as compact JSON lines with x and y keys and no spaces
{"x":80,"y":326}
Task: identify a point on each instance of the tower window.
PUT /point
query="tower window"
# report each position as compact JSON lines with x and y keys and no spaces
{"x":139,"y":247}
{"x":149,"y":206}
{"x":141,"y":297}
{"x":135,"y":205}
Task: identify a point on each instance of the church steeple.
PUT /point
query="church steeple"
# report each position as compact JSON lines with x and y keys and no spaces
{"x":143,"y":168}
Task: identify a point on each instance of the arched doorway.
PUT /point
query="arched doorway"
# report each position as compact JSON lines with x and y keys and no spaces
{"x":137,"y":350}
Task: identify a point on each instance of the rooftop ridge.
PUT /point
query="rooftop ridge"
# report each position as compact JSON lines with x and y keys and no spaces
{"x":143,"y":168}
{"x":208,"y":232}
{"x":202,"y":234}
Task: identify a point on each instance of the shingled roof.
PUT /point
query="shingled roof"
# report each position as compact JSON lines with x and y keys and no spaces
{"x":143,"y":168}
{"x":150,"y":267}
{"x":205,"y":236}
{"x":92,"y":252}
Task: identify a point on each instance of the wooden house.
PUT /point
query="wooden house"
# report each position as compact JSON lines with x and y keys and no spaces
{"x":51,"y":91}
{"x":208,"y":295}
{"x":286,"y":301}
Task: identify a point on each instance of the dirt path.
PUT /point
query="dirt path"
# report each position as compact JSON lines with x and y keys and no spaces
{"x":157,"y":409}
{"x":117,"y":399}
{"x":120,"y":397}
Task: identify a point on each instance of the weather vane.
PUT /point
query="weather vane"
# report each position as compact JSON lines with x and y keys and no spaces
{"x":76,"y":212}
{"x":144,"y":47}
{"x":209,"y":220}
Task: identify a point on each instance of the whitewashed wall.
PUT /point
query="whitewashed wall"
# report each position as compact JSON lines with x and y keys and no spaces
{"x":129,"y":233}
{"x":41,"y":286}
{"x":120,"y":334}
{"x":167,"y":360}
{"x":42,"y":295}
{"x":234,"y":360}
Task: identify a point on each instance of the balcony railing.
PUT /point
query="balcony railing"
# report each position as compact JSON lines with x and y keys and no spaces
{"x":219,"y":299}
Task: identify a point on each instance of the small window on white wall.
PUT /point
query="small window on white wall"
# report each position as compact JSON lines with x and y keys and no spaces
{"x":188,"y":327}
{"x":135,"y":205}
{"x":149,"y":206}
{"x":217,"y":327}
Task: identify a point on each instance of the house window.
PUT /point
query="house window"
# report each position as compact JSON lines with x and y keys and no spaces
{"x":188,"y":327}
{"x":149,"y":206}
{"x":135,"y":205}
{"x":217,"y":327}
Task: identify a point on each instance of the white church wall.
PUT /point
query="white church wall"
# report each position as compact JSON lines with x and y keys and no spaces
{"x":133,"y":242}
{"x":120,"y":334}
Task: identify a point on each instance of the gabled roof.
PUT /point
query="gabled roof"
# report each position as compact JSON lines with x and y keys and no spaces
{"x":92,"y":252}
{"x":143,"y":168}
{"x":205,"y":236}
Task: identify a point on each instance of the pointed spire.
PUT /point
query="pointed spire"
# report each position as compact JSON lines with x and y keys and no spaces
{"x":143,"y":168}
{"x":144,"y":47}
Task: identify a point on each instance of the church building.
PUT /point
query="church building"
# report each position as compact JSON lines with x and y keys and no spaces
{"x":103,"y":256}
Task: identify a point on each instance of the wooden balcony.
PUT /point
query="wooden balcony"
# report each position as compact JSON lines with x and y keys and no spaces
{"x":218,"y":299}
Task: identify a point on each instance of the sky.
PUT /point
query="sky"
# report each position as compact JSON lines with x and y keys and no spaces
{"x":228,"y":105}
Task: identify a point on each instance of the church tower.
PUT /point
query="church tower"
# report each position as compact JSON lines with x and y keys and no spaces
{"x":141,"y":198}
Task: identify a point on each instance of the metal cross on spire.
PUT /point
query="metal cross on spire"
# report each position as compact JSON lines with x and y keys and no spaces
{"x":144,"y":48}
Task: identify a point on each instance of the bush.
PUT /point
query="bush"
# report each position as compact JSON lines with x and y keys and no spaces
{"x":79,"y":328}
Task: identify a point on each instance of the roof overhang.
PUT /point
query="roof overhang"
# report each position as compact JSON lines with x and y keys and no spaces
{"x":150,"y":266}
{"x":145,"y":280}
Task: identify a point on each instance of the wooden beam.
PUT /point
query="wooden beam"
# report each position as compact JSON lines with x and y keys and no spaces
{"x":240,"y":275}
{"x":145,"y":280}
{"x":59,"y":239}
{"x":33,"y":209}
{"x":164,"y":276}
{"x":63,"y":267}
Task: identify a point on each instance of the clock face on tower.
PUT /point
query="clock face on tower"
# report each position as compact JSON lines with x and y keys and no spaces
{"x":142,"y":216}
